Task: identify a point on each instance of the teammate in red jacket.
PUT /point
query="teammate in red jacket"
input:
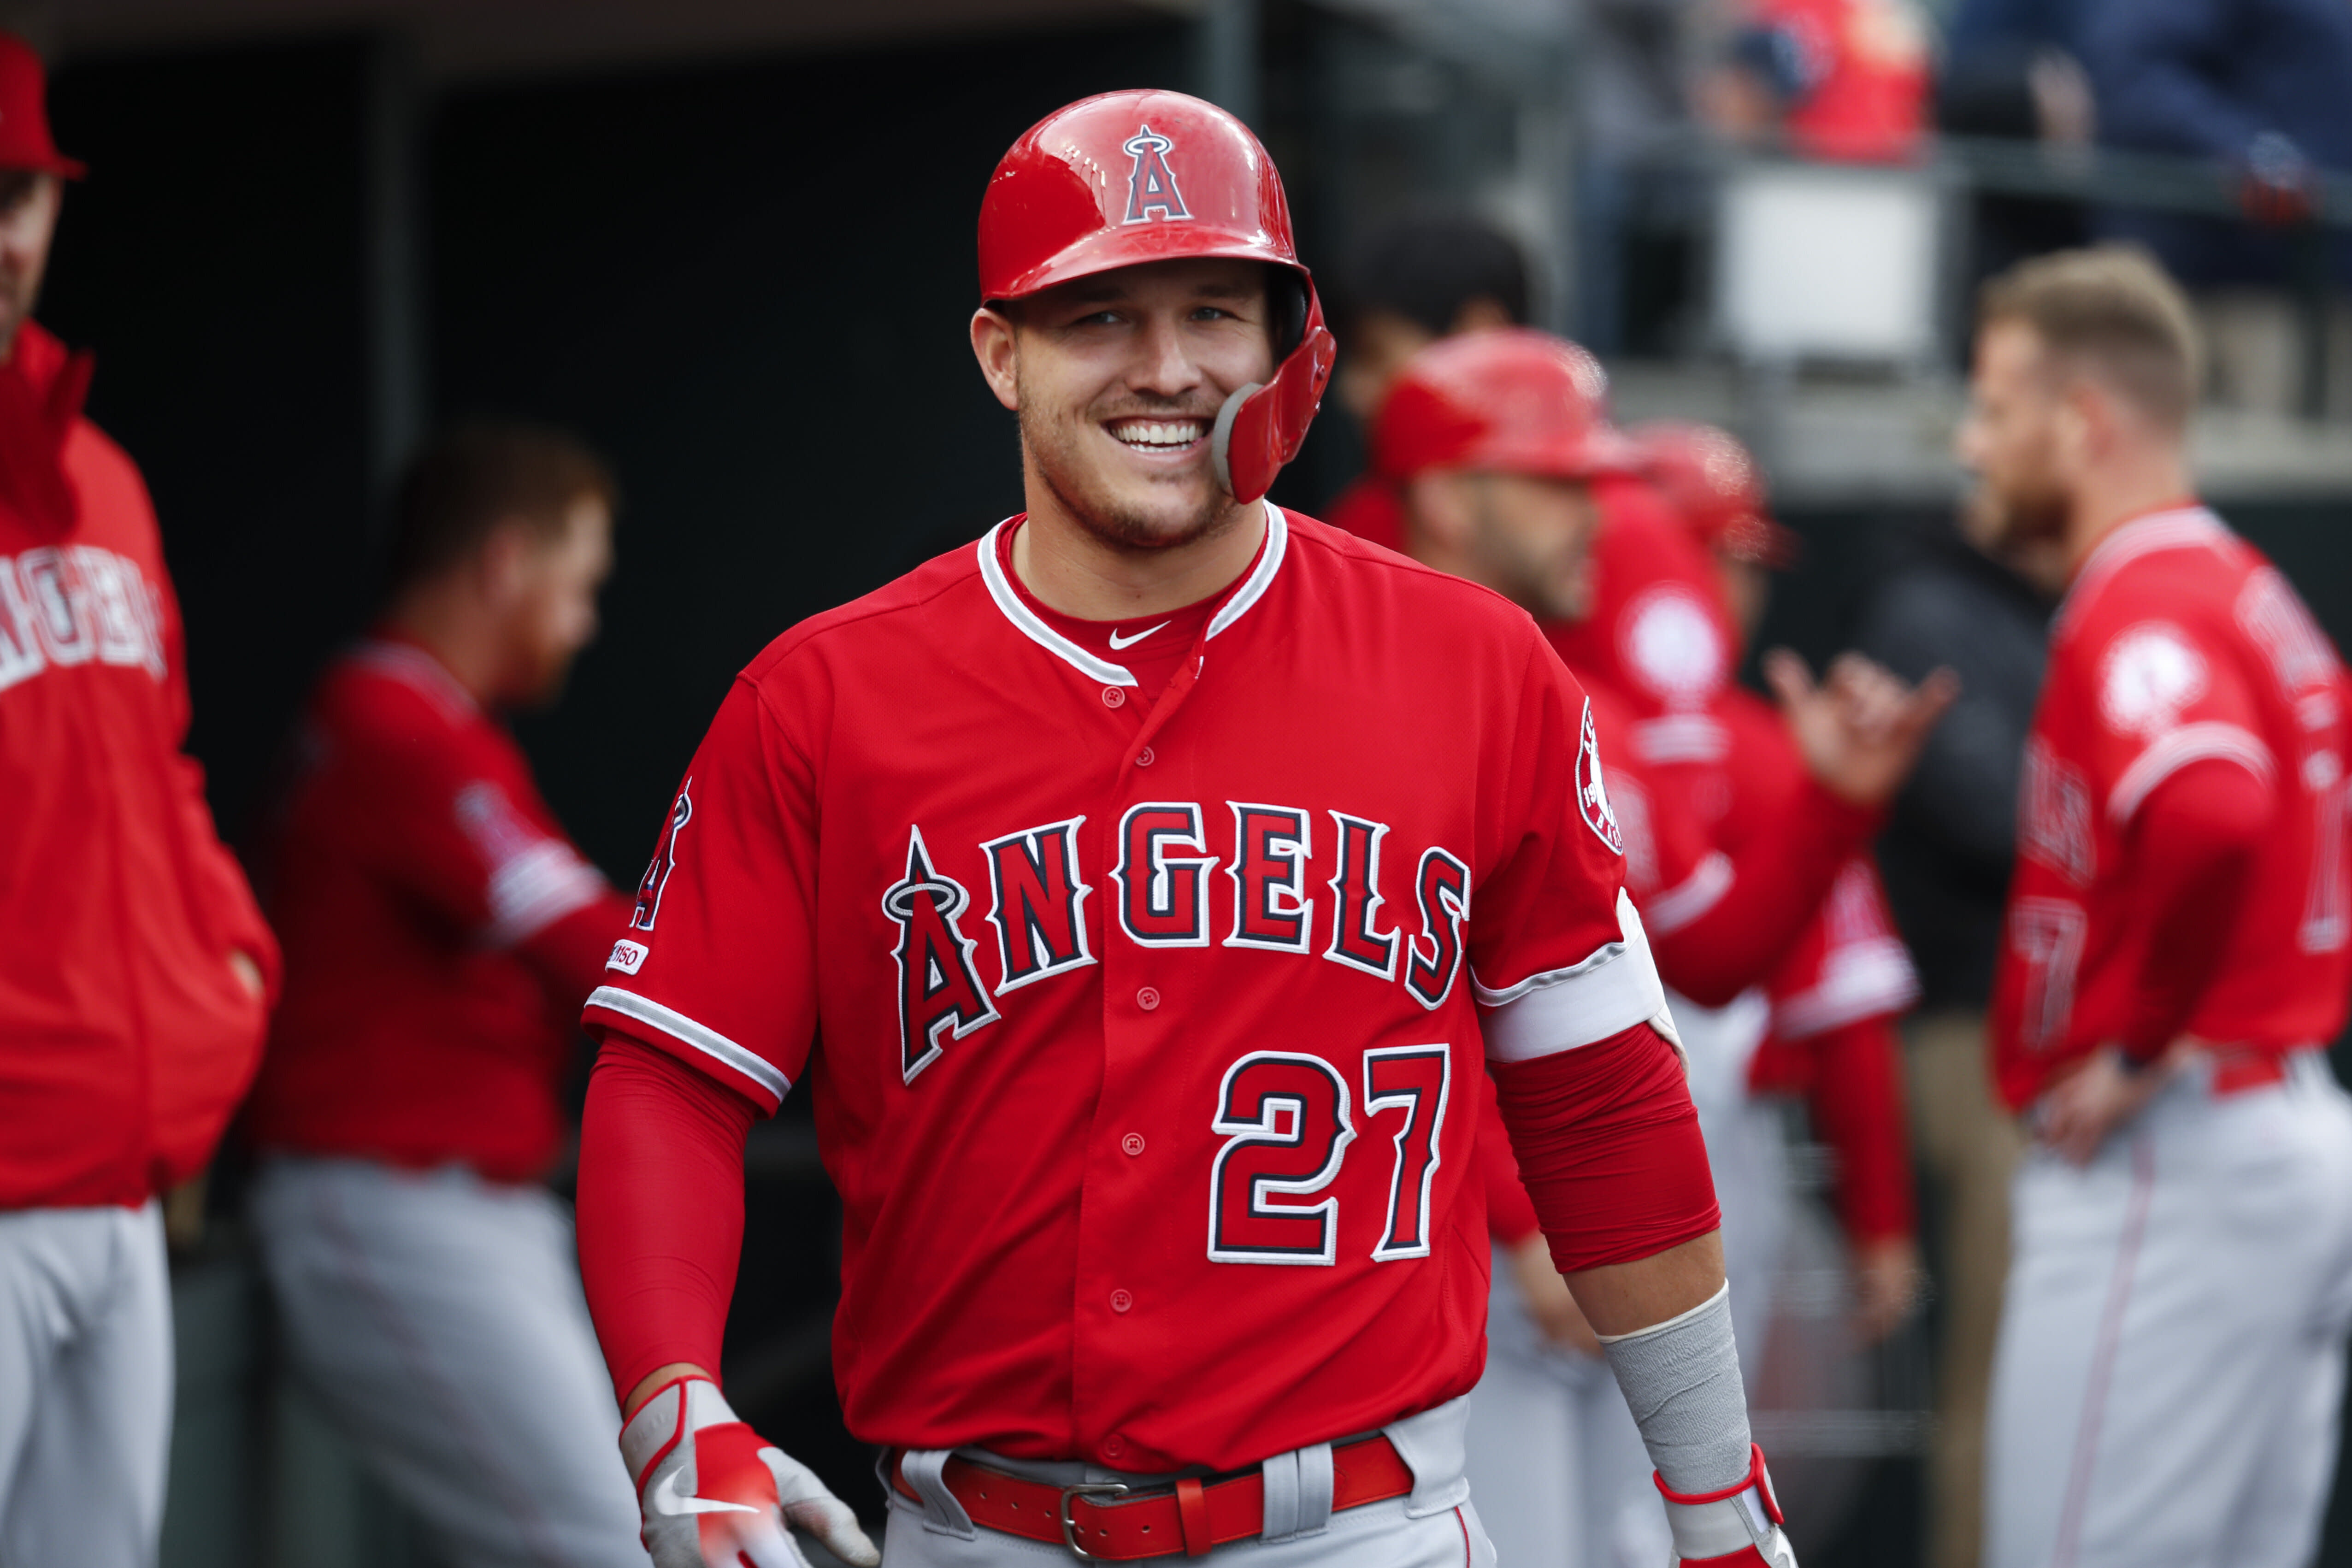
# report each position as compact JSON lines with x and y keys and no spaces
{"x":135,"y":964}
{"x":1145,"y":892}
{"x":440,"y":935}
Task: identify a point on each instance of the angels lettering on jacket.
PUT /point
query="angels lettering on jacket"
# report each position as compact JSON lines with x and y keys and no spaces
{"x":74,"y":604}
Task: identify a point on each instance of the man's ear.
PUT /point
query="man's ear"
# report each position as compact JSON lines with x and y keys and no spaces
{"x":1437,"y":505}
{"x":504,"y":560}
{"x":1480,"y":313}
{"x":994,"y":343}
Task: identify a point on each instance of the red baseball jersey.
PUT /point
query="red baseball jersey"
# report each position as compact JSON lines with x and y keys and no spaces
{"x":125,"y":1038}
{"x":440,"y":931}
{"x":2177,"y":643}
{"x":1145,"y":1035}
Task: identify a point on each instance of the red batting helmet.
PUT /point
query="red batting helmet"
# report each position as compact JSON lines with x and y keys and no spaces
{"x":1130,"y":177}
{"x":1716,"y":487}
{"x":1515,"y":401}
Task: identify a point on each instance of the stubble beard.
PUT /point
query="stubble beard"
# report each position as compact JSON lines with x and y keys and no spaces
{"x":1052,"y":447}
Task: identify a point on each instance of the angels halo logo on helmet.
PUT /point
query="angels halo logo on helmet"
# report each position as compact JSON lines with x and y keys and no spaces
{"x":1151,"y":187}
{"x":1094,"y":186}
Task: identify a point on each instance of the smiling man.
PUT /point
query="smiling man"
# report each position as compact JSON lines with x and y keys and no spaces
{"x":1143,"y":891}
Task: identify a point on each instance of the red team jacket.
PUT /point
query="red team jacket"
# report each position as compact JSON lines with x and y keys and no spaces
{"x":1146,"y":1036}
{"x":125,"y":1039}
{"x":440,"y":931}
{"x":2177,"y":643}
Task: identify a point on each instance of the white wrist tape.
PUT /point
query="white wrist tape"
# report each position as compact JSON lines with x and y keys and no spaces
{"x":1681,"y":1380}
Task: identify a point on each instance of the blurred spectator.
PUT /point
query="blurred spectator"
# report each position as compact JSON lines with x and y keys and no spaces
{"x":1633,"y":101}
{"x":2013,"y":71}
{"x":441,"y":935}
{"x":1947,"y":855}
{"x":1415,"y":279}
{"x":2265,"y":86}
{"x":1839,"y":80}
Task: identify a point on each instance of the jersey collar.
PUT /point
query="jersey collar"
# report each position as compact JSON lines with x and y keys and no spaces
{"x":2174,"y":528}
{"x":1028,"y":621}
{"x":404,"y":661}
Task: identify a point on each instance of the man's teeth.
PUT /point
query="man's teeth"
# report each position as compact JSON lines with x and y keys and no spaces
{"x":1183,"y":433}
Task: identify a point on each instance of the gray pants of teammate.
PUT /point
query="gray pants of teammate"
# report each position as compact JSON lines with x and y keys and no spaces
{"x":85,"y":1385}
{"x":438,"y":1317}
{"x":1562,"y":1477}
{"x":1433,"y":1526}
{"x":2171,"y":1355}
{"x":1561,"y":1474}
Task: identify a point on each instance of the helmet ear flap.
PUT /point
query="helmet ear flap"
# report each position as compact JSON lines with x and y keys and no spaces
{"x":1286,"y":296}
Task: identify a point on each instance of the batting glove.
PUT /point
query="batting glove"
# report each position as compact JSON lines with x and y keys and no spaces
{"x":714,"y":1494}
{"x":1739,"y":1527}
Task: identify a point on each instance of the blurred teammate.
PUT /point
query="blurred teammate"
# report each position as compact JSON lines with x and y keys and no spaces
{"x":1147,"y":892}
{"x":2171,"y":1354}
{"x":1415,"y":279}
{"x":440,"y":935}
{"x":1497,"y":445}
{"x":133,"y":964}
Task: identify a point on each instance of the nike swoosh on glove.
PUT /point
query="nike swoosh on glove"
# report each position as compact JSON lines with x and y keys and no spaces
{"x":714,"y":1494}
{"x":1739,"y":1527}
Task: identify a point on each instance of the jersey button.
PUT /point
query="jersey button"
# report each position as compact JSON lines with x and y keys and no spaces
{"x":1132,"y":1143}
{"x":1114,"y":1446}
{"x":1119,"y":1303}
{"x":1114,"y":697}
{"x":1143,"y":758}
{"x":1147,"y":998}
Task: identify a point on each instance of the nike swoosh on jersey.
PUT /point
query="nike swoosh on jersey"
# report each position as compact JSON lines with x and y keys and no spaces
{"x":1118,"y":641}
{"x":666,"y":1500}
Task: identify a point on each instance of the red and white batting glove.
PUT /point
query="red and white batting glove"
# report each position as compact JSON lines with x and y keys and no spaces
{"x":715,"y":1494}
{"x":1739,"y":1527}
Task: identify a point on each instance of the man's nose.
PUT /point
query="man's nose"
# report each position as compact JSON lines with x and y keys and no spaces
{"x":1164,"y":364}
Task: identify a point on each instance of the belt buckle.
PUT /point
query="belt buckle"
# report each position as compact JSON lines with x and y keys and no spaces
{"x":1083,"y":1488}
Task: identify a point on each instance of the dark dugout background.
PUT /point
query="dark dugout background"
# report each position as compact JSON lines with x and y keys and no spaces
{"x":747,"y":284}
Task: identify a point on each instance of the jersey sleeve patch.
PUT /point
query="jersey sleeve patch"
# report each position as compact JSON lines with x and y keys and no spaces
{"x":1606,"y":994}
{"x":2150,"y":676}
{"x":1593,"y":790}
{"x":535,"y":878}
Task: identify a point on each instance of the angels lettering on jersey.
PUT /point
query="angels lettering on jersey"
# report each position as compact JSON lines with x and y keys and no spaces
{"x":1180,"y":874}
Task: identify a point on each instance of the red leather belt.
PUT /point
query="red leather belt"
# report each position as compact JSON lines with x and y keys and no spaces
{"x":1108,"y":1520}
{"x":2236,"y":1071}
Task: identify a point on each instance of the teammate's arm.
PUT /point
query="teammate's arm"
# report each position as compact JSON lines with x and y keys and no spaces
{"x":2192,"y":846}
{"x":1724,"y":922}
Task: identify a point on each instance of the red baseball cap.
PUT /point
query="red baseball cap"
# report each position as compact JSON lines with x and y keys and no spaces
{"x":1715,"y":487}
{"x":25,"y":140}
{"x":1514,"y":401}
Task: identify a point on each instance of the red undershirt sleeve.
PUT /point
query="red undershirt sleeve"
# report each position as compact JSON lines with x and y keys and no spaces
{"x":1511,"y":1214}
{"x":2192,"y":844}
{"x":1729,"y":924}
{"x":660,"y":1210}
{"x":1609,"y":1149}
{"x":1857,"y":1107}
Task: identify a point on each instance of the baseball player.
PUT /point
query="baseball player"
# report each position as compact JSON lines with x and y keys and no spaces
{"x":1472,"y":430}
{"x":1145,"y":892}
{"x":2171,"y":1353}
{"x":135,"y":965}
{"x":440,"y":933}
